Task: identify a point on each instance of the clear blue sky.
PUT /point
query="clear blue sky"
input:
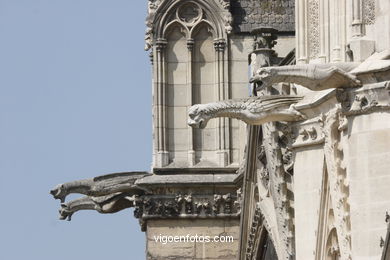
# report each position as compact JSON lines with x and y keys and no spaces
{"x":75,"y":102}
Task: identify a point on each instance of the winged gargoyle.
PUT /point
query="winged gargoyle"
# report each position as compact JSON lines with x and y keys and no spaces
{"x":323,"y":76}
{"x":106,"y":194}
{"x":251,"y":110}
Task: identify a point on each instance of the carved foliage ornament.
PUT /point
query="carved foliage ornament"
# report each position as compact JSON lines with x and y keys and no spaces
{"x":368,"y":11}
{"x":314,"y":28}
{"x":149,"y":206}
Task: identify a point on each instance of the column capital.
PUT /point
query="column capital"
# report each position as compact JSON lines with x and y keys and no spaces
{"x":220,"y":44}
{"x":160,"y":44}
{"x":190,"y":44}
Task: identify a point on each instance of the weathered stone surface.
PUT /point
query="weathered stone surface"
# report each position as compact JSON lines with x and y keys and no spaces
{"x":249,"y":15}
{"x":192,"y":250}
{"x":187,"y":179}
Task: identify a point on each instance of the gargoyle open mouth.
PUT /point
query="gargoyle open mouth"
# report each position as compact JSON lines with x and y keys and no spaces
{"x":58,"y":193}
{"x":197,"y":124}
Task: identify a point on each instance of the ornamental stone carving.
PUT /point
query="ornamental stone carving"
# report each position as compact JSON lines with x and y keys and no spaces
{"x":189,"y":14}
{"x":314,"y":28}
{"x":252,"y":110}
{"x":310,"y":132}
{"x":183,"y":206}
{"x":368,"y":9}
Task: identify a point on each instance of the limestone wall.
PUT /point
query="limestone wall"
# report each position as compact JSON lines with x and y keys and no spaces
{"x":308,"y":178}
{"x":325,"y":29}
{"x":369,"y":178}
{"x":192,"y":250}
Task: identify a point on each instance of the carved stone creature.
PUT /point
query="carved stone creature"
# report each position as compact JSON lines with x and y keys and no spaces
{"x":324,"y":76}
{"x":252,"y":110}
{"x":105,"y":204}
{"x":106,"y":194}
{"x":101,"y":185}
{"x":312,"y":76}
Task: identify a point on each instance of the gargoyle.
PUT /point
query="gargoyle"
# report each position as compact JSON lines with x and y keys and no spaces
{"x":312,"y":76}
{"x":104,"y":204}
{"x":252,"y":110}
{"x":106,"y":194}
{"x":101,"y":185}
{"x":324,"y":76}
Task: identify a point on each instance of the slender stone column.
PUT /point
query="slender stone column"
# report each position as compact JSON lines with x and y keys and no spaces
{"x":160,"y":120}
{"x":336,"y":47}
{"x":191,"y":150}
{"x":222,"y":130}
{"x":301,"y":13}
{"x":357,"y":24}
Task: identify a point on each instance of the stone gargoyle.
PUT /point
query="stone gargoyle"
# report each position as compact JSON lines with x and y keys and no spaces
{"x":106,"y":194}
{"x":325,"y":76}
{"x":251,"y":110}
{"x":104,"y":204}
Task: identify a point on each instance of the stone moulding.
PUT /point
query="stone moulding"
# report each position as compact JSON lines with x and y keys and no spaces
{"x":339,"y":188}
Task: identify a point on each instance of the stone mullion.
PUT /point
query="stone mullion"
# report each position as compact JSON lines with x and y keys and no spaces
{"x":190,"y":89}
{"x":336,"y":18}
{"x":155,"y":94}
{"x":225,"y":83}
{"x":343,"y":29}
{"x":324,"y":19}
{"x":217,"y":91}
{"x":357,"y":24}
{"x":223,"y":126}
{"x":301,"y":21}
{"x":161,"y":122}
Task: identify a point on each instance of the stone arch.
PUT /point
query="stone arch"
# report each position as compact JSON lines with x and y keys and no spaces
{"x":210,"y":12}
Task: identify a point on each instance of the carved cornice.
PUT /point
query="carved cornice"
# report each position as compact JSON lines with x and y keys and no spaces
{"x":186,"y":206}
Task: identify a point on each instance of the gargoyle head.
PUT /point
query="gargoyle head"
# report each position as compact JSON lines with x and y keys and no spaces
{"x":59,"y":192}
{"x":263,"y":76}
{"x":197,"y":116}
{"x":65,"y":213}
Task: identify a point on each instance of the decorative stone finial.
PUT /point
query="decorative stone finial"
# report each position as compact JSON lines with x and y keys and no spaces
{"x":264,"y":38}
